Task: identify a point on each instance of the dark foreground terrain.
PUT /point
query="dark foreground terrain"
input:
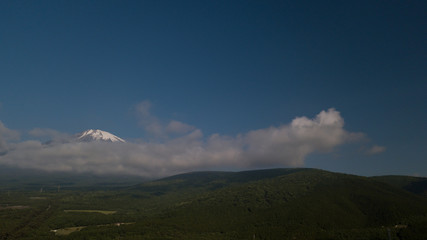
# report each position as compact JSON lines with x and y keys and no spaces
{"x":262,"y":204}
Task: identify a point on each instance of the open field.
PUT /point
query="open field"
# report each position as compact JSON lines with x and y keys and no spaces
{"x":13,"y":207}
{"x":69,"y":230}
{"x":38,"y":198}
{"x":90,"y":211}
{"x":66,"y":231}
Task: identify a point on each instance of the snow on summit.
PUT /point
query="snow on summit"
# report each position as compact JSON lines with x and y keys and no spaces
{"x":98,"y":135}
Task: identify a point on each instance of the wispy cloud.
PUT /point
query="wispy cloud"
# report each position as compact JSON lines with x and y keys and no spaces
{"x":49,"y":133}
{"x":157,"y":128}
{"x":177,"y":127}
{"x":150,"y":123}
{"x":184,"y":149}
{"x":375,"y":150}
{"x":6,"y":135}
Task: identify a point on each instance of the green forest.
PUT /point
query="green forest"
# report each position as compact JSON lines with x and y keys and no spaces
{"x":261,"y":204}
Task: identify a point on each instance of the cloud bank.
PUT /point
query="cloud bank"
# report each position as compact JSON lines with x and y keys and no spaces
{"x":182,"y":148}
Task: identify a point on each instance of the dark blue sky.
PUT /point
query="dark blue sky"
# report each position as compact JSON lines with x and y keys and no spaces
{"x":225,"y":67}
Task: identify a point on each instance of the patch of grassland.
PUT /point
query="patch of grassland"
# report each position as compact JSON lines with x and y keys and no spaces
{"x":69,"y":230}
{"x":66,"y":231}
{"x":38,"y":198}
{"x":90,"y":211}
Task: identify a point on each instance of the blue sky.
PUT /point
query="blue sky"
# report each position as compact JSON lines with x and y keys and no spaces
{"x":223,"y":67}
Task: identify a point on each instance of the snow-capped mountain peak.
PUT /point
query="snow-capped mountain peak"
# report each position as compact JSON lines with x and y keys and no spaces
{"x":98,"y":135}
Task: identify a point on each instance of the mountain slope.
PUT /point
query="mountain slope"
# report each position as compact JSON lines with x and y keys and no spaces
{"x":299,"y":203}
{"x":417,"y":185}
{"x":262,"y":204}
{"x":97,"y":135}
{"x":207,"y":181}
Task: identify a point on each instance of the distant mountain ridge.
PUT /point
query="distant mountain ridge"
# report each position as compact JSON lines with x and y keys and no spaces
{"x":97,"y":135}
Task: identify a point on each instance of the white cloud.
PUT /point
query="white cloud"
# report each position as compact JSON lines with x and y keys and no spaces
{"x":286,"y":145}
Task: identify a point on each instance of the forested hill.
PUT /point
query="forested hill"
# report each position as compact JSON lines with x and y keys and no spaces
{"x":261,"y":204}
{"x":417,"y":185}
{"x":271,"y":202}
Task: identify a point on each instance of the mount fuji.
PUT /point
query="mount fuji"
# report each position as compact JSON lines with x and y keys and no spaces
{"x":97,"y":135}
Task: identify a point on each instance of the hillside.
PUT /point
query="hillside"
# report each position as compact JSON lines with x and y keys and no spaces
{"x":417,"y":185}
{"x":272,"y":204}
{"x":260,"y":204}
